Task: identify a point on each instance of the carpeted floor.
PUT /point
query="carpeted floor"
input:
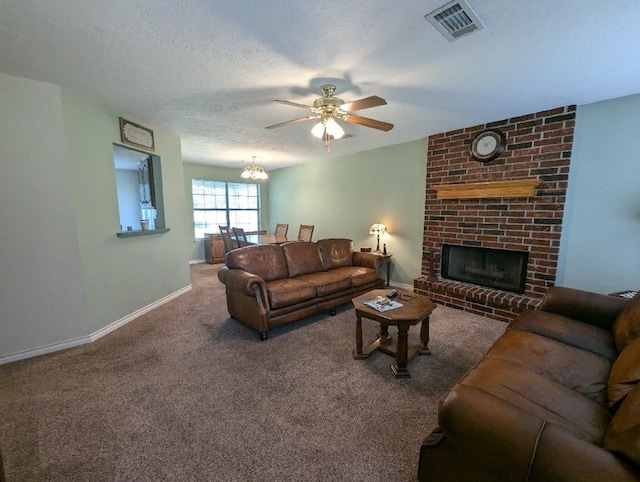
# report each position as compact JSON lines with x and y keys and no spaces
{"x":186,"y":393}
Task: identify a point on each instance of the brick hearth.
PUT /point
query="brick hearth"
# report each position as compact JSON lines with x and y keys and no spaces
{"x":538,"y":146}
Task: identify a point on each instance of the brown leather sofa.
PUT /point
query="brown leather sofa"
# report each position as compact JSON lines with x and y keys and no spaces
{"x":269,"y":285}
{"x":555,"y":399}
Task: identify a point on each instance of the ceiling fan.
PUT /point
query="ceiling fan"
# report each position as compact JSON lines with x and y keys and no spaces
{"x":328,"y":109}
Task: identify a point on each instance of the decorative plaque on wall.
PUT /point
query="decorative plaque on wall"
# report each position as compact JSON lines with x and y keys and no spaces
{"x":136,"y":135}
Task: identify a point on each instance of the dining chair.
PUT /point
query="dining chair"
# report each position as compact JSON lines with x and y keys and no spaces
{"x":306,"y":232}
{"x":226,"y":239}
{"x":282,"y":229}
{"x":241,"y":237}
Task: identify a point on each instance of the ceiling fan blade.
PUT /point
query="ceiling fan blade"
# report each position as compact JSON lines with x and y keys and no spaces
{"x":294,"y":104}
{"x":366,"y":103}
{"x":365,"y":121}
{"x":293,"y":121}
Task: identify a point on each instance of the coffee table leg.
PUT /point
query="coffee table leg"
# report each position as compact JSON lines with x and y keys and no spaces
{"x":384,"y":334}
{"x":357,"y":353}
{"x":424,"y":337}
{"x":399,"y":368}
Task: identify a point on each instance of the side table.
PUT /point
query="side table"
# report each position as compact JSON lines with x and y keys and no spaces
{"x":386,"y":258}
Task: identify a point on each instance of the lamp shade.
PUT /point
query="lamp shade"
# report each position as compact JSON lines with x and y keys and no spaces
{"x":334,"y":129}
{"x":318,"y":130}
{"x":378,"y":229}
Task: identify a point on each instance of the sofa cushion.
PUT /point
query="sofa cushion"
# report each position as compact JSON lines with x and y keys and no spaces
{"x":625,"y":374}
{"x":568,"y":331}
{"x":542,"y":397}
{"x":571,"y":367}
{"x":327,"y":282}
{"x":289,"y":291}
{"x":302,"y":257}
{"x":266,"y":261}
{"x":358,"y":275}
{"x":336,"y":253}
{"x":623,"y":434}
{"x":627,"y":325}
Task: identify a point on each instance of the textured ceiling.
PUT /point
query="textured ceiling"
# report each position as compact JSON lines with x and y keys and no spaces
{"x":208,"y":70}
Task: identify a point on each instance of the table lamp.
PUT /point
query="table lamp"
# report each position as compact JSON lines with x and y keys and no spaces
{"x":378,"y":229}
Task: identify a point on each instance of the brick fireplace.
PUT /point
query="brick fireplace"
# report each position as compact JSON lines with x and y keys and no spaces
{"x":499,"y":216}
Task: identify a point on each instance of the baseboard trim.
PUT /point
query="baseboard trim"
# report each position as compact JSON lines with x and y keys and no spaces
{"x":94,"y":336}
{"x":21,"y":355}
{"x":402,"y":286}
{"x":136,"y":314}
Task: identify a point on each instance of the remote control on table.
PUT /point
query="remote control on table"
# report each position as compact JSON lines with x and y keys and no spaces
{"x":392,"y":293}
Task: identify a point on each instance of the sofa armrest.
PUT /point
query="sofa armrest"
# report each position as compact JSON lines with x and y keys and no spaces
{"x":489,"y":433}
{"x":367,"y":260}
{"x":247,"y":284}
{"x":592,"y":308}
{"x":561,"y":456}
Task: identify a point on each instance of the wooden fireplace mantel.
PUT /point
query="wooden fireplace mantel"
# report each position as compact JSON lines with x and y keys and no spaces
{"x":513,"y":188}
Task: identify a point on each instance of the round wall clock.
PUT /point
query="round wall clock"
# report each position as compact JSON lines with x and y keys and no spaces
{"x":488,"y":145}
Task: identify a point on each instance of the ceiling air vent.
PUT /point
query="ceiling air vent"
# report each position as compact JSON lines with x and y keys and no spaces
{"x":454,"y":20}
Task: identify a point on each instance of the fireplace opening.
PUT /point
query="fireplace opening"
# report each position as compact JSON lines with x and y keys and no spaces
{"x":496,"y":268}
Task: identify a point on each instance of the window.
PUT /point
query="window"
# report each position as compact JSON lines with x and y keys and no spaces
{"x":139,"y":189}
{"x":230,"y":204}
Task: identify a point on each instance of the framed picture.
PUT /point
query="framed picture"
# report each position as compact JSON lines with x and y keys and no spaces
{"x":136,"y":135}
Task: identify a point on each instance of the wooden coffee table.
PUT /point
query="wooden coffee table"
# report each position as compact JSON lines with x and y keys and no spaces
{"x":416,"y":309}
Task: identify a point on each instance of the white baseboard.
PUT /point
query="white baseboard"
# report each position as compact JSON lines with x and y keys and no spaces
{"x":21,"y":355}
{"x":402,"y":286}
{"x":197,"y":261}
{"x":94,"y":336}
{"x":136,"y":314}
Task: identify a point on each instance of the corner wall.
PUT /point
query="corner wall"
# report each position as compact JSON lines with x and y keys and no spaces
{"x":600,"y":247}
{"x":41,"y":291}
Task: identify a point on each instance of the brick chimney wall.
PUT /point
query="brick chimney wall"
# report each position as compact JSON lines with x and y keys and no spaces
{"x":537,"y":146}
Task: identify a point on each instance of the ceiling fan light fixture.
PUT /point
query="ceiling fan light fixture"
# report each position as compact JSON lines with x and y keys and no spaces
{"x":318,"y":130}
{"x":329,"y":109}
{"x":334,"y":129}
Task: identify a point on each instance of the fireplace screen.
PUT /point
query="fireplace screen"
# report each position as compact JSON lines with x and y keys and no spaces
{"x":495,"y":268}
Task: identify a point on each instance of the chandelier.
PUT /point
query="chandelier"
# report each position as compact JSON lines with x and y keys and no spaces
{"x":254,"y":172}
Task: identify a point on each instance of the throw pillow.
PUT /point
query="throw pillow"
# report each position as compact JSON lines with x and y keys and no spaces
{"x":624,"y":375}
{"x":623,"y":433}
{"x":627,"y":326}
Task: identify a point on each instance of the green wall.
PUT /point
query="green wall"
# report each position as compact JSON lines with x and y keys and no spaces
{"x":121,"y":275}
{"x":344,"y":195}
{"x":65,"y":274}
{"x":41,"y":291}
{"x":599,"y":249}
{"x":212,"y":173}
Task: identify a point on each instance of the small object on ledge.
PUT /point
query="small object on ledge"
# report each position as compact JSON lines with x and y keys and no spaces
{"x":384,"y":248}
{"x":628,"y":294}
{"x":365,"y":249}
{"x":144,"y":224}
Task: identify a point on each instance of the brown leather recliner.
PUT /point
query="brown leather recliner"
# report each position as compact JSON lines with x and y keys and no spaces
{"x":269,"y":285}
{"x":555,"y":399}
